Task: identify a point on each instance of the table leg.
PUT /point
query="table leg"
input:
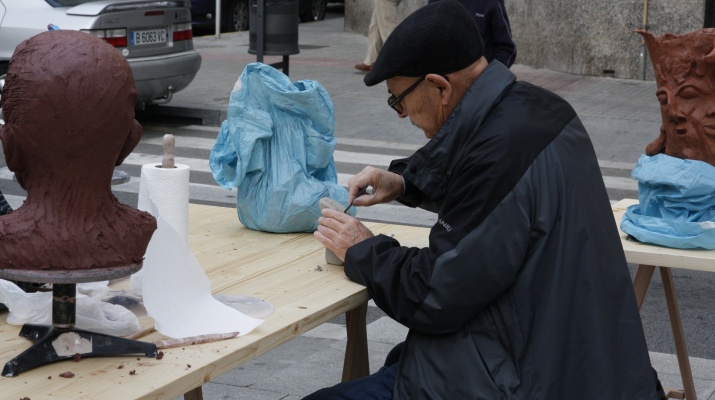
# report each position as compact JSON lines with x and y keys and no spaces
{"x":194,"y":394}
{"x":676,"y":324}
{"x":641,"y":281}
{"x":356,"y":360}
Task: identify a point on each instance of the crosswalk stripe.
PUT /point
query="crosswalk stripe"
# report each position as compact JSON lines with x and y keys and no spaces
{"x":341,"y":141}
{"x":614,"y":182}
{"x":616,"y":165}
{"x":213,"y":193}
{"x":139,"y":159}
{"x":340,"y":156}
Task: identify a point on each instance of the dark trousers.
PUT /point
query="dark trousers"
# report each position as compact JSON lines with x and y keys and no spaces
{"x":378,"y":386}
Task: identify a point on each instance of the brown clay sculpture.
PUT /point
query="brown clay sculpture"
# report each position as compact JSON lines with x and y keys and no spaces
{"x":68,"y":105}
{"x":684,"y":68}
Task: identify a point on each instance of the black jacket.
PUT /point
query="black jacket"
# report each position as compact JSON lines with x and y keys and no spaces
{"x":524,"y":290}
{"x":493,"y":24}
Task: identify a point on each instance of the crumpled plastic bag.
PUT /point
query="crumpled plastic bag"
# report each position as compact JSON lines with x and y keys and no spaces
{"x":676,"y":203}
{"x":92,"y":314}
{"x":276,"y":147}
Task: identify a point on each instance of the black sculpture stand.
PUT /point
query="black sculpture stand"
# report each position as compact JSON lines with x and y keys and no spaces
{"x":61,"y":341}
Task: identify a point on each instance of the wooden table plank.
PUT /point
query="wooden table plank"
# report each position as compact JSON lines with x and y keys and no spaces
{"x":643,"y":253}
{"x":281,"y":269}
{"x":648,"y":256}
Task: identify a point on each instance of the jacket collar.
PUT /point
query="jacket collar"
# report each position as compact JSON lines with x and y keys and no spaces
{"x":430,"y":167}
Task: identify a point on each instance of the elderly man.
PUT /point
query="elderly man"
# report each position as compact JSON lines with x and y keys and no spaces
{"x":524,"y":290}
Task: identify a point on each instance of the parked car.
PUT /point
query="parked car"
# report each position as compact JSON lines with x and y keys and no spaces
{"x":155,"y":36}
{"x":234,"y":13}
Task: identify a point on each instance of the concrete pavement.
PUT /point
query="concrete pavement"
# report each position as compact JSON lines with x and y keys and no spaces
{"x":614,"y":111}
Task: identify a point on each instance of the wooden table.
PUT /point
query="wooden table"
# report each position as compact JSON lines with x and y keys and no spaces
{"x":648,"y":257}
{"x":286,"y":270}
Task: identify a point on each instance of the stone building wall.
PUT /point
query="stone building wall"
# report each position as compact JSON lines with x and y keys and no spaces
{"x":586,"y":37}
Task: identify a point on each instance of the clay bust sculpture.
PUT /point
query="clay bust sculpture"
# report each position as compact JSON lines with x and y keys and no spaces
{"x":68,"y":105}
{"x":685,"y":74}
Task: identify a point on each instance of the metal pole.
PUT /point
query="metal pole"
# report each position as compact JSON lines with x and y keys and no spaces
{"x":709,"y":20}
{"x":644,"y":49}
{"x":217,"y":35}
{"x":261,"y":30}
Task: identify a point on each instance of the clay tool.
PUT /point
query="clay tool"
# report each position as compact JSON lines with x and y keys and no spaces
{"x":360,"y":193}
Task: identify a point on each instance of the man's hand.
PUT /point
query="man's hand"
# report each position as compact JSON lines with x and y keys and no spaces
{"x":386,"y":187}
{"x":338,"y":231}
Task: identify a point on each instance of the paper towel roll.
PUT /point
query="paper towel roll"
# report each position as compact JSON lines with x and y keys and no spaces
{"x":168,"y":188}
{"x":175,"y":289}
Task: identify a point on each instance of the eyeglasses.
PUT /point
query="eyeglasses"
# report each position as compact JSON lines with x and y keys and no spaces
{"x":394,"y":102}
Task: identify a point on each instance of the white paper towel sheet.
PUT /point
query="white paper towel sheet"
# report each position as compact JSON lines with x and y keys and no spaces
{"x":175,"y":289}
{"x":177,"y":292}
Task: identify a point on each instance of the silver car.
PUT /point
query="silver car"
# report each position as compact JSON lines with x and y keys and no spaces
{"x":154,"y":36}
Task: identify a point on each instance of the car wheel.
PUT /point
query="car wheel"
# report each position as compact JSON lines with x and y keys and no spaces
{"x":316,"y":12}
{"x":237,"y":16}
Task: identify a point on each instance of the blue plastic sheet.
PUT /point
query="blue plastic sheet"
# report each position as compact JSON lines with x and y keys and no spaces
{"x":276,"y":147}
{"x":676,"y":203}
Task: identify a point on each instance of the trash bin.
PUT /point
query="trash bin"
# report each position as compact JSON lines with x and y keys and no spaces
{"x":280,"y":27}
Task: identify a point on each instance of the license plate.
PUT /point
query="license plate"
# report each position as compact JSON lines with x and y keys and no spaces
{"x":139,"y":38}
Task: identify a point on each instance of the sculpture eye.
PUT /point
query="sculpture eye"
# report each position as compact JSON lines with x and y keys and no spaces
{"x":688,"y":92}
{"x":662,"y":98}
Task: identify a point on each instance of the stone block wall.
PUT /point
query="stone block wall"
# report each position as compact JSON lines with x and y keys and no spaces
{"x":586,"y":37}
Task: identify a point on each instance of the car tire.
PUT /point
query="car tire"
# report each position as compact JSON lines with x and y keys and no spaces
{"x":316,"y":11}
{"x":236,"y":18}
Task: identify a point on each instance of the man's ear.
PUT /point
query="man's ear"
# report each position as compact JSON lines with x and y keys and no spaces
{"x":441,"y":83}
{"x":133,"y":139}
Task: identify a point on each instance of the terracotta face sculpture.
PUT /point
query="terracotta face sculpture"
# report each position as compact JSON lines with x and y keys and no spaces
{"x":685,"y":73}
{"x":68,"y":105}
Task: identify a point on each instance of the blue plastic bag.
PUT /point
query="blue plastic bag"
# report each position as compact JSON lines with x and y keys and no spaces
{"x":276,"y":147}
{"x":676,"y":203}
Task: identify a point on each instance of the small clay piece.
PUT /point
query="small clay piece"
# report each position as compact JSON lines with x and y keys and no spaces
{"x":327,"y":202}
{"x":211,"y":337}
{"x":67,"y":374}
{"x":160,"y":355}
{"x":168,"y":160}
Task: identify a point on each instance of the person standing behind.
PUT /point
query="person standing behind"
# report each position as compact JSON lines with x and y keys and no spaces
{"x":382,"y":23}
{"x":493,"y":24}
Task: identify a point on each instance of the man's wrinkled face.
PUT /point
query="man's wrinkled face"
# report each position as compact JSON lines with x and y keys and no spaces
{"x":422,"y":103}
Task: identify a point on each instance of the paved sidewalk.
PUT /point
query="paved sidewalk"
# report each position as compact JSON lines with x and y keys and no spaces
{"x":611,"y":109}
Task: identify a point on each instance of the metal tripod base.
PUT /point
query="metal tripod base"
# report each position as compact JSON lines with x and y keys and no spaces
{"x":61,"y":341}
{"x":55,"y":344}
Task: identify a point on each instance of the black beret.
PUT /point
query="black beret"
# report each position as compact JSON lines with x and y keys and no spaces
{"x":438,"y":38}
